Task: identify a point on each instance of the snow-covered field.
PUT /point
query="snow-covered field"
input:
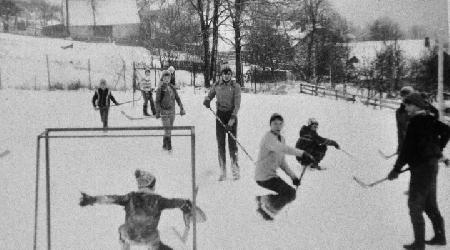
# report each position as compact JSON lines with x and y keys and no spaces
{"x":23,"y":63}
{"x":331,"y":211}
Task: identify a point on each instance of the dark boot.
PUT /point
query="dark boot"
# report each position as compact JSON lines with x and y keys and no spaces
{"x":439,"y":234}
{"x":144,"y":110}
{"x":165,"y":143}
{"x":415,"y":246}
{"x":169,"y":143}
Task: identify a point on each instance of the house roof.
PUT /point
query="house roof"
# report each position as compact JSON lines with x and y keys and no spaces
{"x":102,"y":12}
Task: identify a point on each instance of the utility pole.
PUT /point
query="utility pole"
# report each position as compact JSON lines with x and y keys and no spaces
{"x":67,"y":18}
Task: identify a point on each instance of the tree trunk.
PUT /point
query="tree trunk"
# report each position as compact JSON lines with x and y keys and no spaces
{"x":215,"y":40}
{"x":237,"y":39}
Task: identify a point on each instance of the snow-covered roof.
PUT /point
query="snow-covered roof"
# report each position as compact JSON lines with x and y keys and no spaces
{"x":106,"y":12}
{"x":366,"y":51}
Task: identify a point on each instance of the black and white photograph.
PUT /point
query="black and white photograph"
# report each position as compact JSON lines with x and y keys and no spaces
{"x":224,"y":124}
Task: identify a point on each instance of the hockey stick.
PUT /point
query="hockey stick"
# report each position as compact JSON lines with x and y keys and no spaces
{"x":348,"y":154}
{"x":302,"y":174}
{"x":232,"y":136}
{"x":364,"y":185}
{"x":385,"y":156}
{"x":132,"y":118}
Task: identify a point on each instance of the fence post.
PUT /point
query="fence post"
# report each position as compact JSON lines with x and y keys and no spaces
{"x":124,"y":70}
{"x":301,"y":88}
{"x":89,"y":72}
{"x":48,"y":72}
{"x":0,"y":77}
{"x":35,"y":80}
{"x":336,"y":93}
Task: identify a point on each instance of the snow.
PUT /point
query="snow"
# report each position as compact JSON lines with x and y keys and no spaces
{"x":331,"y":211}
{"x":23,"y":63}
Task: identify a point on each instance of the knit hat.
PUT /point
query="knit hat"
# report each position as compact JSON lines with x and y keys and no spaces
{"x":165,"y":73}
{"x":226,"y":70}
{"x":416,"y":99}
{"x":406,"y":90}
{"x":171,"y":69}
{"x":312,"y":121}
{"x":144,"y":179}
{"x":275,"y":116}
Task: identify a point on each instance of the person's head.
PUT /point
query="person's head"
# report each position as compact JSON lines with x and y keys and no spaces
{"x":165,"y":77}
{"x":276,"y":122}
{"x":313,"y":123}
{"x":414,"y":102}
{"x":226,"y":73}
{"x":147,"y":72}
{"x":171,"y":70}
{"x":405,"y":91}
{"x":103,"y":84}
{"x":145,"y":179}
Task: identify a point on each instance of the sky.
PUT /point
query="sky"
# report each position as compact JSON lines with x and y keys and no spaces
{"x":429,"y":13}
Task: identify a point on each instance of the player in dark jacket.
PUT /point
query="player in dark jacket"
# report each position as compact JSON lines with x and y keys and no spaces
{"x":102,"y":100}
{"x":425,"y":139}
{"x":142,"y":212}
{"x":311,"y":142}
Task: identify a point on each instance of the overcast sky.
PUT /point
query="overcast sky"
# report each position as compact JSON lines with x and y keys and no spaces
{"x":428,"y":13}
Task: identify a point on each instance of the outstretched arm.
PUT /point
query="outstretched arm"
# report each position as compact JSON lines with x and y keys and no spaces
{"x":86,"y":199}
{"x":183,"y":204}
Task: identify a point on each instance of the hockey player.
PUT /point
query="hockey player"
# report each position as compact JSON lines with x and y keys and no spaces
{"x":228,"y":94}
{"x":101,"y":101}
{"x":142,"y":212}
{"x":311,"y":142}
{"x":166,"y":95}
{"x":271,"y":156}
{"x":145,"y":85}
{"x":401,"y":116}
{"x":425,"y":139}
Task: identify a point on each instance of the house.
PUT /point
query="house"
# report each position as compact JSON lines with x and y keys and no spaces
{"x":102,"y":19}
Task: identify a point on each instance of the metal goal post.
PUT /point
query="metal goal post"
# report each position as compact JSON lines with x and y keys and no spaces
{"x":62,"y":133}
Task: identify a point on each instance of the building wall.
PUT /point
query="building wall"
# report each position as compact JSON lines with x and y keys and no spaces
{"x":119,"y":32}
{"x":126,"y":31}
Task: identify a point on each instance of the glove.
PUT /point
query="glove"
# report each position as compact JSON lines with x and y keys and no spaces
{"x":87,"y":200}
{"x":308,"y":156}
{"x":186,"y":207}
{"x":232,"y":121}
{"x":296,"y":182}
{"x":158,"y":115}
{"x":207,"y":103}
{"x":182,"y":112}
{"x":335,"y":144}
{"x":393,"y":175}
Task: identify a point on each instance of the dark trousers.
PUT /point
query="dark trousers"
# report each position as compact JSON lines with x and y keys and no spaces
{"x":422,"y":198}
{"x":285,"y":193}
{"x":221,"y":134}
{"x":104,"y":111}
{"x":148,"y":96}
{"x":317,"y":151}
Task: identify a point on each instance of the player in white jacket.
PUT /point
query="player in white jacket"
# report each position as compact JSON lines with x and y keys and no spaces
{"x":271,"y":156}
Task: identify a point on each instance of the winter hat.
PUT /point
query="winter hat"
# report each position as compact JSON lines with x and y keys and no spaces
{"x":312,"y":121}
{"x":226,"y":70}
{"x":147,"y":70}
{"x":406,"y":90}
{"x":416,"y":99}
{"x":171,"y":69}
{"x":275,"y":116}
{"x":144,"y":179}
{"x":165,"y":73}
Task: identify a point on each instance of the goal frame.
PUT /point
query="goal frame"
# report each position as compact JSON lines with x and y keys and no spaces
{"x":49,"y":134}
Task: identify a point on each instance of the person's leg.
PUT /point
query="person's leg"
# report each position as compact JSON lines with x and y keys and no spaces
{"x":432,"y":211}
{"x":169,"y":140}
{"x":166,"y":123}
{"x":233,"y":150}
{"x":285,"y":194}
{"x":162,"y":246}
{"x":152,"y":104}
{"x":220,"y":136}
{"x":416,"y":203}
{"x":145,"y":98}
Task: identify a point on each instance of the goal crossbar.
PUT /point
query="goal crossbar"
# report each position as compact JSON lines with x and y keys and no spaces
{"x":49,"y":134}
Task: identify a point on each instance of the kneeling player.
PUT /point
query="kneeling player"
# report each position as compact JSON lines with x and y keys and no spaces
{"x":311,"y":142}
